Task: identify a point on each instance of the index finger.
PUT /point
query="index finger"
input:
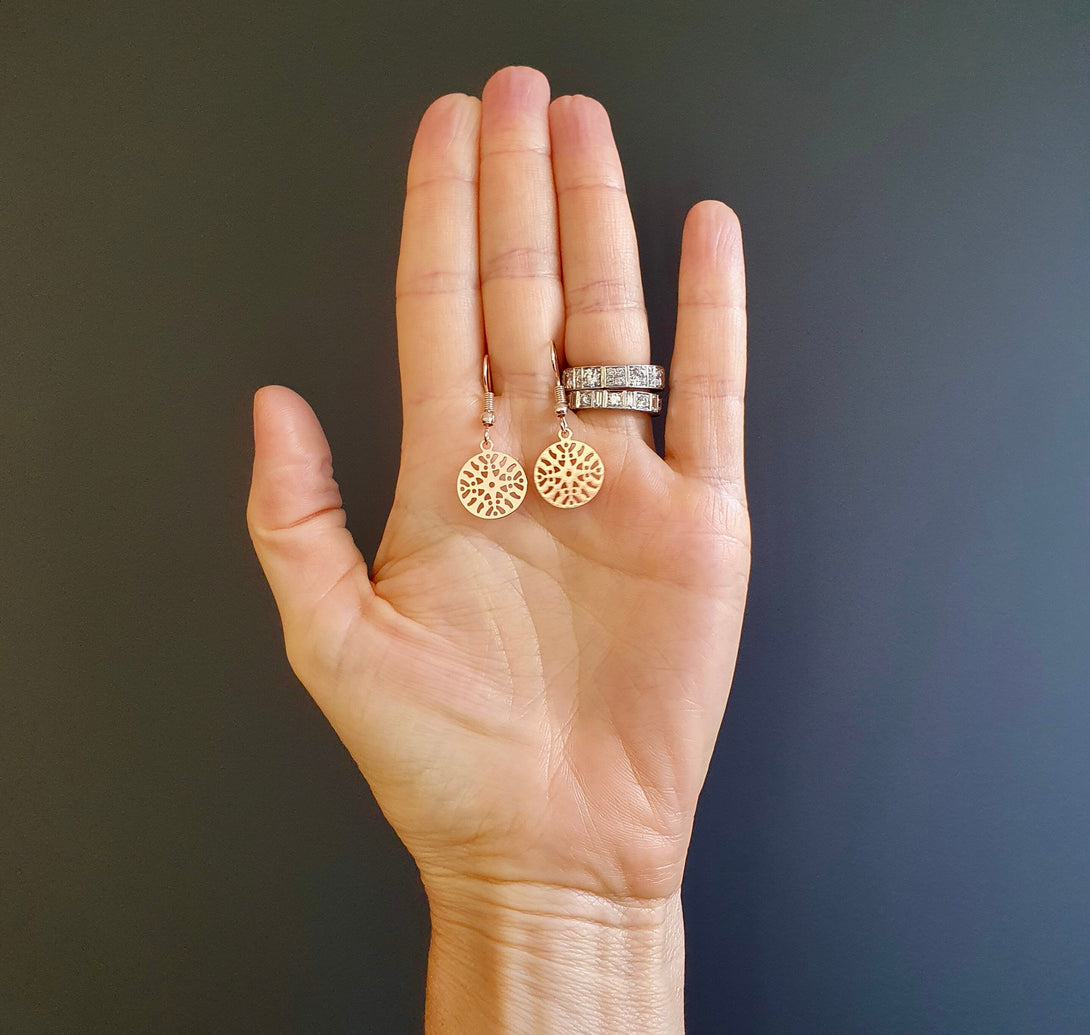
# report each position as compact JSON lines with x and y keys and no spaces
{"x":440,"y":335}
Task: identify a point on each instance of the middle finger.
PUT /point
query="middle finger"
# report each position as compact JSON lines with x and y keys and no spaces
{"x":521,"y":291}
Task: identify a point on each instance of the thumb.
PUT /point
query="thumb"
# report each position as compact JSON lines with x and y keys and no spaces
{"x":297,"y":524}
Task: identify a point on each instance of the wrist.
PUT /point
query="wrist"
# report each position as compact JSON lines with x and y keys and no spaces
{"x":544,"y":959}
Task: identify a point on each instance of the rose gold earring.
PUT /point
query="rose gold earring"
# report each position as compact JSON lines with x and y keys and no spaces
{"x":491,"y":484}
{"x":568,"y":473}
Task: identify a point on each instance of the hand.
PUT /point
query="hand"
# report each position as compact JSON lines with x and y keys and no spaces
{"x":534,"y":700}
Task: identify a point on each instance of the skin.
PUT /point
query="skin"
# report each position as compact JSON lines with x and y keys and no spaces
{"x":533,"y":700}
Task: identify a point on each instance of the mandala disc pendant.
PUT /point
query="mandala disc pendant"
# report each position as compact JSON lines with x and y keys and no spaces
{"x":491,"y":484}
{"x":568,"y":473}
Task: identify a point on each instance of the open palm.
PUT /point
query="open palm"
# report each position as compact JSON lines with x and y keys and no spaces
{"x":532,"y":699}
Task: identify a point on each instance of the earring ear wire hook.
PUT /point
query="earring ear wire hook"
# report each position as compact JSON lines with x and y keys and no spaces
{"x":559,"y":396}
{"x":488,"y":418}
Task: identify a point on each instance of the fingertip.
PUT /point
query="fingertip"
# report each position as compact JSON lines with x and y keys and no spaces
{"x":274,"y":397}
{"x":524,"y":77}
{"x":513,"y":92}
{"x":714,"y":210}
{"x":269,"y":401}
{"x":712,"y":261}
{"x":265,"y":397}
{"x":285,"y":425}
{"x":716,"y":222}
{"x":453,"y":116}
{"x":579,"y":121}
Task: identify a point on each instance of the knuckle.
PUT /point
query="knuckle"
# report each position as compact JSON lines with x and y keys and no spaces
{"x":521,"y":261}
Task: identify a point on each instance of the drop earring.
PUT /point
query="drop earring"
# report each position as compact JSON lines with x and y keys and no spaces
{"x":568,"y":473}
{"x":491,"y":484}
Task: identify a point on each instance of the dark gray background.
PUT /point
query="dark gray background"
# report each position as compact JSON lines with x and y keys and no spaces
{"x":200,"y":199}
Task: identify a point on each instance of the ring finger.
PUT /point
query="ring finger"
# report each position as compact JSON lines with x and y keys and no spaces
{"x":605,"y":316}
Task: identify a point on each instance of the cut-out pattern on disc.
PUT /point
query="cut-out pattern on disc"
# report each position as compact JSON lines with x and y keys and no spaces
{"x":569,"y":473}
{"x":491,"y":484}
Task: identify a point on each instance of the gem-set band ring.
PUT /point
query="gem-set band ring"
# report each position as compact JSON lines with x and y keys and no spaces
{"x":614,"y":399}
{"x":632,"y":375}
{"x":633,"y":386}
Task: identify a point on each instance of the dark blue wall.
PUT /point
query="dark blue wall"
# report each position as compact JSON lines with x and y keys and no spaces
{"x":895,"y":833}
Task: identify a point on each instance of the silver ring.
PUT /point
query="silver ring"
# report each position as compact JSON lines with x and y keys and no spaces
{"x":611,"y":399}
{"x":631,"y":375}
